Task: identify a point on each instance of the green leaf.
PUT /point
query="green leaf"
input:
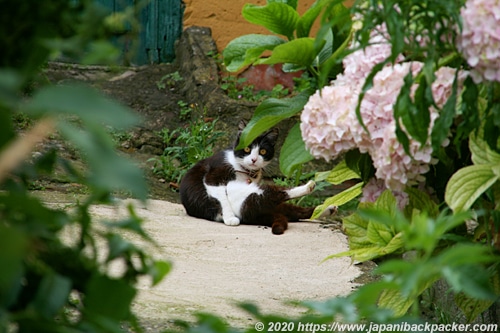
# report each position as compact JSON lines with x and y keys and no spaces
{"x":109,"y":171}
{"x":372,"y":251}
{"x":159,"y":270}
{"x":339,"y":199}
{"x":393,"y":299}
{"x":291,"y":3}
{"x":421,"y":201}
{"x":52,"y":295}
{"x":468,"y":184}
{"x":469,"y":110}
{"x":341,"y":173}
{"x":293,"y":152}
{"x":245,"y":50}
{"x":362,"y":164}
{"x":117,"y":246}
{"x":98,"y":300}
{"x":465,"y":254}
{"x":481,"y":151}
{"x":306,"y":21}
{"x":14,"y":246}
{"x":278,"y":18}
{"x":298,"y":51}
{"x":10,"y":85}
{"x":400,"y":303}
{"x":269,"y":113}
{"x":355,"y":228}
{"x":473,"y":307}
{"x":415,"y":117}
{"x":379,"y":233}
{"x":443,"y":123}
{"x":471,"y":279}
{"x":93,"y":108}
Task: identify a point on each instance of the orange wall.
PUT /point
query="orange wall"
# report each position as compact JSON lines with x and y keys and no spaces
{"x":225,"y":19}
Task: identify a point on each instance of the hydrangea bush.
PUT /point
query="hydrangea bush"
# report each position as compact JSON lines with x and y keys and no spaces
{"x":357,"y":109}
{"x":330,"y":126}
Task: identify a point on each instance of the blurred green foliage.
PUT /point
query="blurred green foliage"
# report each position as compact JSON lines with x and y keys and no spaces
{"x":55,"y":277}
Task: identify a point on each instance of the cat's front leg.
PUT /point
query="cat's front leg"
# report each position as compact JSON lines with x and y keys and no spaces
{"x":220,"y":193}
{"x":300,"y":191}
{"x":228,"y":216}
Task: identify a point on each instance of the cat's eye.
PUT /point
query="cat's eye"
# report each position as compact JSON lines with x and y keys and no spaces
{"x":263,"y":152}
{"x":247,"y":149}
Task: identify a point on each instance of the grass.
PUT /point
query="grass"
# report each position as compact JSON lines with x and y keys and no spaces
{"x":185,"y":147}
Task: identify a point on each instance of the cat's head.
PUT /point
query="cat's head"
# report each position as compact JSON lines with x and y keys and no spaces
{"x":260,"y":152}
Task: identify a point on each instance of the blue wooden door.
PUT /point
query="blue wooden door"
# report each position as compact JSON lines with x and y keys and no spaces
{"x":161,"y":26}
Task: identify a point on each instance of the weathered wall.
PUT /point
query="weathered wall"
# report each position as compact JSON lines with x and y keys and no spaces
{"x":225,"y":19}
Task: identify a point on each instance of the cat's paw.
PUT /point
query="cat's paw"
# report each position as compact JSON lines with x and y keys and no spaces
{"x":310,"y":186}
{"x":329,"y":211}
{"x":232,"y":221}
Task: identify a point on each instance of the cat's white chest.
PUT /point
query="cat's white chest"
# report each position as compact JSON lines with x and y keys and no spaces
{"x":238,"y":192}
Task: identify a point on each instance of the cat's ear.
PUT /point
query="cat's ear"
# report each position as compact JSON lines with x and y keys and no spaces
{"x":241,"y":125}
{"x":272,"y":135}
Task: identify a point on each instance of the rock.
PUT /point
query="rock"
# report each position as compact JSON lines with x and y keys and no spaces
{"x":201,"y":84}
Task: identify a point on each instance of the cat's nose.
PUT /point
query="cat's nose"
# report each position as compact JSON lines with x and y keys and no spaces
{"x":254,"y":160}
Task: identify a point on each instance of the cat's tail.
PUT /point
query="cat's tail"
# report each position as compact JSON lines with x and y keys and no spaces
{"x":327,"y":212}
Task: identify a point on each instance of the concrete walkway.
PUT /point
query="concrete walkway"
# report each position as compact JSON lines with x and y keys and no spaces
{"x":216,"y":266}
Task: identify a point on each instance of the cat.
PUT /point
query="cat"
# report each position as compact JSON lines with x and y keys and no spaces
{"x":226,"y":187}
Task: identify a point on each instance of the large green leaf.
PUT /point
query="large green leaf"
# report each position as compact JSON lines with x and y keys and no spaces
{"x":420,"y":201}
{"x":85,"y":102}
{"x":355,"y":227}
{"x":279,"y":18}
{"x":245,"y":50}
{"x":99,"y":302}
{"x":481,"y":151}
{"x":341,"y":173}
{"x":473,"y":307}
{"x":269,"y":113}
{"x":306,"y":21}
{"x":468,"y":184}
{"x":299,"y":51}
{"x":415,"y":117}
{"x":372,"y":234}
{"x":52,"y":295}
{"x":399,"y":303}
{"x":108,"y":170}
{"x":370,"y":252}
{"x":443,"y":123}
{"x":378,"y":233}
{"x":293,"y":152}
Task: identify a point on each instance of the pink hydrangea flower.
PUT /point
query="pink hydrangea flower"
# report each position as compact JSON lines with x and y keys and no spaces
{"x":324,"y":119}
{"x":479,"y":41}
{"x":330,"y":127}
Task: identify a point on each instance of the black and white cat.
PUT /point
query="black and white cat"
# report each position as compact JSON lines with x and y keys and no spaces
{"x":226,"y":187}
